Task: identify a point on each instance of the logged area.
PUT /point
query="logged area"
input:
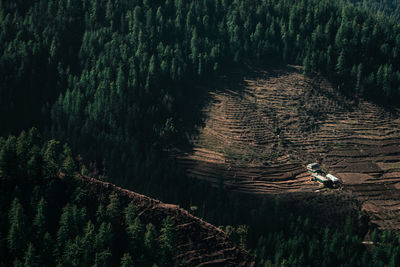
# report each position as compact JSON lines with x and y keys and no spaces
{"x":262,"y":127}
{"x":212,"y":246}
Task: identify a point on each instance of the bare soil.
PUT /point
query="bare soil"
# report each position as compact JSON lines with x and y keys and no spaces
{"x":263,"y":126}
{"x":198,"y":243}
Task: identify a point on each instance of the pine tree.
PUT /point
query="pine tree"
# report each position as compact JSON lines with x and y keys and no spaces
{"x":30,"y":258}
{"x":102,"y":259}
{"x":47,"y":250}
{"x":39,"y":222}
{"x":167,"y":240}
{"x":50,"y":158}
{"x":9,"y":159}
{"x":135,"y":234}
{"x":359,"y":76}
{"x":68,"y":164}
{"x":22,"y":150}
{"x":126,"y":260}
{"x":130,"y":213}
{"x":112,"y":209}
{"x":88,"y":240}
{"x":73,"y":250}
{"x":104,"y":237}
{"x":306,"y":65}
{"x":34,"y":164}
{"x":17,"y":263}
{"x":150,"y":239}
{"x":341,"y":63}
{"x":242,"y":231}
{"x":33,"y":137}
{"x":65,"y":230}
{"x":17,"y":232}
{"x":100,"y":214}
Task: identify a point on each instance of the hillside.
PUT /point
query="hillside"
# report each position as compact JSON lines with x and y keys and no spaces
{"x":164,"y":98}
{"x":51,"y":215}
{"x":262,"y":126}
{"x":390,"y":8}
{"x":198,"y":243}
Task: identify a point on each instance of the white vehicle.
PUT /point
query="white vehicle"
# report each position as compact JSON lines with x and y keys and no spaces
{"x":313,"y":167}
{"x":332,"y":178}
{"x":321,"y":178}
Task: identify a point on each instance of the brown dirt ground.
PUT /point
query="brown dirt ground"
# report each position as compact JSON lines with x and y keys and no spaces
{"x":198,"y":242}
{"x":263,"y":126}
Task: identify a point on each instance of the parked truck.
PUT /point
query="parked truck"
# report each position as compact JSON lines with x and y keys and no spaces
{"x":318,"y":175}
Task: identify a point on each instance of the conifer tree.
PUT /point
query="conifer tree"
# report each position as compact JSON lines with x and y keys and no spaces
{"x":39,"y":221}
{"x":22,"y":150}
{"x":30,"y":258}
{"x":100,"y":214}
{"x":135,"y":233}
{"x":112,"y":209}
{"x":47,"y":250}
{"x":102,"y":259}
{"x":9,"y":159}
{"x":130,"y":213}
{"x":126,"y":261}
{"x":17,"y":231}
{"x":89,"y":236}
{"x":50,"y":158}
{"x":150,"y":239}
{"x":167,"y":240}
{"x":68,"y":164}
{"x":104,"y":237}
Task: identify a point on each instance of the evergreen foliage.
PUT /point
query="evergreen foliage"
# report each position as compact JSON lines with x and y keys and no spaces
{"x":49,"y":225}
{"x":108,"y":77}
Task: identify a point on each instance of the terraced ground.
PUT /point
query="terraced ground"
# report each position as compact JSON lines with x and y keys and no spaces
{"x":263,"y":126}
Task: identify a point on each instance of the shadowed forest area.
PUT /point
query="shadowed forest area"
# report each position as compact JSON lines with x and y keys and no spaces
{"x":122,"y":83}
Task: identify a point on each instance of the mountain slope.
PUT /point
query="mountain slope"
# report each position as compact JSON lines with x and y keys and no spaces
{"x":263,"y":126}
{"x":50,"y":215}
{"x":198,"y":243}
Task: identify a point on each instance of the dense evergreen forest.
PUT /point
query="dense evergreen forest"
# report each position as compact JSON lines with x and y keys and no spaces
{"x":390,"y":8}
{"x":112,"y":78}
{"x":109,"y":75}
{"x":47,"y":218}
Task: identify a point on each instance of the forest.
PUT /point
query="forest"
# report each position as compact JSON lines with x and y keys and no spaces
{"x":114,"y":79}
{"x":49,"y":219}
{"x":389,"y":8}
{"x":53,"y":222}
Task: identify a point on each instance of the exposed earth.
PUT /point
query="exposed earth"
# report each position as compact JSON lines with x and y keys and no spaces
{"x":198,"y":242}
{"x":262,"y":127}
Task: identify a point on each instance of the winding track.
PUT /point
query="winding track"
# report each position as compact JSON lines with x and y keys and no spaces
{"x":263,"y":127}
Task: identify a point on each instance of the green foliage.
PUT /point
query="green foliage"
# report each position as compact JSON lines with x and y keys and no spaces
{"x":30,"y":257}
{"x":130,"y":214}
{"x":135,"y":233}
{"x":50,"y":221}
{"x":17,"y":232}
{"x":39,"y":221}
{"x":126,"y":261}
{"x":113,"y":209}
{"x":167,"y":239}
{"x":110,"y":77}
{"x":387,"y":7}
{"x":150,"y":239}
